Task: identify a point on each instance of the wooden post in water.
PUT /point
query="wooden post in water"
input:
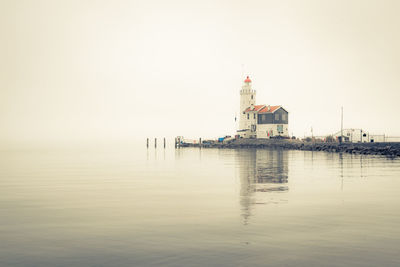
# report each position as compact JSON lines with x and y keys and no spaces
{"x":175,"y":142}
{"x":164,"y":142}
{"x":147,"y":143}
{"x":200,"y":142}
{"x":155,"y":142}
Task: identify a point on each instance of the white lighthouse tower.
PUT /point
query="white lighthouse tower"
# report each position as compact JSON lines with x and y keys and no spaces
{"x":247,"y":99}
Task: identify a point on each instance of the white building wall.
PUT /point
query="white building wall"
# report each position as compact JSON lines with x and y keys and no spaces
{"x":377,"y":138}
{"x":354,"y":135}
{"x":252,"y":123}
{"x":357,"y":135}
{"x":249,"y":124}
{"x":264,"y":129}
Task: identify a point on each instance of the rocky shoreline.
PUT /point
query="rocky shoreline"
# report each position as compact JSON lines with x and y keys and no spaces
{"x":386,"y":149}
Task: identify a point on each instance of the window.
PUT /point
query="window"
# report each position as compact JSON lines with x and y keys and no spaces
{"x":279,"y":128}
{"x":251,"y":96}
{"x":277,"y":116}
{"x":283,"y":117}
{"x":254,"y":116}
{"x":244,"y":112}
{"x":248,"y":116}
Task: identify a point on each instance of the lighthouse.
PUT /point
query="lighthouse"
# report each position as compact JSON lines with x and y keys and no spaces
{"x":247,"y":99}
{"x":260,"y":121}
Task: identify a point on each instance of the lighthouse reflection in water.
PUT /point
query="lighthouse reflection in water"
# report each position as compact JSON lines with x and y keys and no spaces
{"x":263,"y":178}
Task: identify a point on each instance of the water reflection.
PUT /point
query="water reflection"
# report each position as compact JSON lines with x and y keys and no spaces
{"x":262,"y":174}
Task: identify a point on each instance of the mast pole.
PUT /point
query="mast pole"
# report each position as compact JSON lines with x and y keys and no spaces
{"x":341,"y":128}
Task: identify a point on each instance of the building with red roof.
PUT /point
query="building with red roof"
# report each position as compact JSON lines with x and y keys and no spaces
{"x":260,"y":121}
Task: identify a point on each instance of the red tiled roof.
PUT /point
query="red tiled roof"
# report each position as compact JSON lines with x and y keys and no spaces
{"x":263,"y":109}
{"x":271,"y":109}
{"x":256,"y":108}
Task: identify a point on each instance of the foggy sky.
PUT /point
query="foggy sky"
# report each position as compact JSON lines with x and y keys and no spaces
{"x":126,"y":70}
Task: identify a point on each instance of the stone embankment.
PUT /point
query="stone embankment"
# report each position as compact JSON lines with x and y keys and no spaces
{"x":387,"y":149}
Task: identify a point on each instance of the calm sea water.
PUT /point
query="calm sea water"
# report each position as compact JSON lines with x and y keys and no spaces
{"x":198,"y":207}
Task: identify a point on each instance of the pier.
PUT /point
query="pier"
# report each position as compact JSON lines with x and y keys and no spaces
{"x":391,"y":149}
{"x":386,"y":149}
